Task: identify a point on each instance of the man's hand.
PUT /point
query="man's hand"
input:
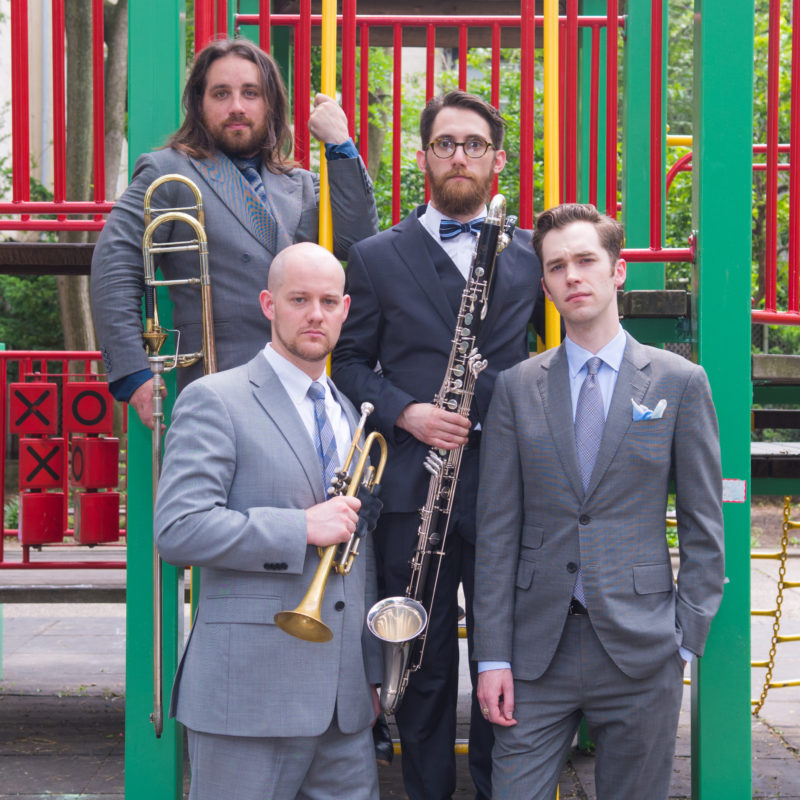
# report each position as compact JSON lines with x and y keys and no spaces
{"x":434,"y":426}
{"x":328,"y":122}
{"x":496,"y":693}
{"x":333,"y":521}
{"x":142,"y":401}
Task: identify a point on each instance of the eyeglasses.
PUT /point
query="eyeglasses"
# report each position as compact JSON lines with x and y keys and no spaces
{"x":473,"y":146}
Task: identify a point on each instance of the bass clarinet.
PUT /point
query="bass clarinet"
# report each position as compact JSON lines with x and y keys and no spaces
{"x":401,"y":622}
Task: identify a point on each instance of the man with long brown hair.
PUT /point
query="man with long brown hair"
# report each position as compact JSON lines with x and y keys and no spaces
{"x":234,"y":145}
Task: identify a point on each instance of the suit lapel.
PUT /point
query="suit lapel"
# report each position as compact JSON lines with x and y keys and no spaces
{"x":287,"y":212}
{"x":233,"y":189}
{"x":272,"y":397}
{"x":632,"y":382}
{"x":412,"y":249}
{"x":554,"y":392}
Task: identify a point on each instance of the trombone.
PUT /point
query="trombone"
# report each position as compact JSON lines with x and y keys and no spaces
{"x":154,"y":337}
{"x":305,"y":621}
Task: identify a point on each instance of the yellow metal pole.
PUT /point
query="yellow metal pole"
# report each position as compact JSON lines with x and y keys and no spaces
{"x":329,"y":9}
{"x":552,"y":168}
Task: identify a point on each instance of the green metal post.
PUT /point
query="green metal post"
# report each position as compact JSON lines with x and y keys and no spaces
{"x":721,"y":212}
{"x":153,"y":767}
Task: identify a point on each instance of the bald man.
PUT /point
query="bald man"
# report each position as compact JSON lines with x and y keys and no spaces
{"x":243,"y":496}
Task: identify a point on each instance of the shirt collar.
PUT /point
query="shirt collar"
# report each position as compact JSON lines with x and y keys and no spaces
{"x":431,"y":218}
{"x":294,"y":380}
{"x":611,"y":353}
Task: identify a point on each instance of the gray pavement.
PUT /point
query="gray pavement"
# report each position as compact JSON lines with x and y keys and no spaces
{"x":62,"y":697}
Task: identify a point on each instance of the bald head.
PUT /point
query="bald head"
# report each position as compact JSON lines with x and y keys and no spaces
{"x":303,"y":254}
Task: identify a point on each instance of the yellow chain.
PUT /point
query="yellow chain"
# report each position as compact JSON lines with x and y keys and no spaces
{"x":776,"y":625}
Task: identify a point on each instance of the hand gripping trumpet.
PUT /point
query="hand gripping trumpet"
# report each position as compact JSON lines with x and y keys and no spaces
{"x":305,"y":622}
{"x":154,"y":337}
{"x":401,"y":622}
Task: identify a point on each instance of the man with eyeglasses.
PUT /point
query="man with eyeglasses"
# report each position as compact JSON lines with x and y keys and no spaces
{"x":406,"y":285}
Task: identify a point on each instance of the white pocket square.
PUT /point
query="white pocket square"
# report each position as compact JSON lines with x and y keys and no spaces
{"x":641,"y":413}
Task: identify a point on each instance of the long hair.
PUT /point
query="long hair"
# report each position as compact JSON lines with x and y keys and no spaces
{"x":194,"y":139}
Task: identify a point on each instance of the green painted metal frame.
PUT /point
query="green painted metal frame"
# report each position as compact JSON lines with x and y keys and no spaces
{"x":154,"y":767}
{"x":721,"y":213}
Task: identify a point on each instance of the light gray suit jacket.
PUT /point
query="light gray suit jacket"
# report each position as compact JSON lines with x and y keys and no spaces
{"x":536,"y":526}
{"x":238,"y":472}
{"x":239,"y":257}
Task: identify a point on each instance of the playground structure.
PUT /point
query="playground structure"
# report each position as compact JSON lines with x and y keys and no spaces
{"x":596,"y":111}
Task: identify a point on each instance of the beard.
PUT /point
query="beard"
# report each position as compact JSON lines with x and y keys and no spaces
{"x":242,"y":143}
{"x":457,"y":198}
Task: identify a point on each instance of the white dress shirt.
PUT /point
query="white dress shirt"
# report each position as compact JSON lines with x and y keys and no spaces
{"x":460,"y":248}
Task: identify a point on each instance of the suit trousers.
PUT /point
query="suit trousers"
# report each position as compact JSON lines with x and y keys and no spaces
{"x":426,"y":718}
{"x":327,"y":767}
{"x":632,"y":722}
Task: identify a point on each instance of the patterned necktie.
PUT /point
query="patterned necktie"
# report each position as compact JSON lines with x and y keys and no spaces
{"x":249,"y":168}
{"x":324,"y":440}
{"x":450,"y":228}
{"x":589,"y":421}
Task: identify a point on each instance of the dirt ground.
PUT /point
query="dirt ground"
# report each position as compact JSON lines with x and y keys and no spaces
{"x":766,"y":522}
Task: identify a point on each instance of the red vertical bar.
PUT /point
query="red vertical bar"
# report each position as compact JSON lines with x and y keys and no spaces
{"x":363,"y":116}
{"x":302,"y":80}
{"x":794,"y":170}
{"x":3,"y":442}
{"x":263,"y":26}
{"x":570,"y":161}
{"x":495,"y":81}
{"x":222,"y":19}
{"x":203,"y":23}
{"x":463,"y":30}
{"x":59,"y":105}
{"x":656,"y":65}
{"x":562,"y":106}
{"x":397,"y":104}
{"x":430,"y":44}
{"x":594,"y":103}
{"x":612,"y":30}
{"x":349,"y":64}
{"x":526,"y":110}
{"x":98,"y":104}
{"x":21,"y":156}
{"x":771,"y":238}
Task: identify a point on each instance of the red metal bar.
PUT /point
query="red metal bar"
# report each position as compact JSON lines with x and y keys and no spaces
{"x":59,"y":103}
{"x":430,"y":45}
{"x":222,"y":19}
{"x":26,"y":224}
{"x":562,"y":106}
{"x":349,"y":64}
{"x":463,"y":32}
{"x":526,"y":113}
{"x":420,"y":20}
{"x":397,"y":103}
{"x":364,"y":94}
{"x":20,"y":133}
{"x":98,"y":103}
{"x":594,"y":109}
{"x":64,"y":564}
{"x":658,"y":254}
{"x":264,"y":26}
{"x":495,"y":80}
{"x":612,"y":30}
{"x":683,"y":164}
{"x":203,"y":23}
{"x":775,"y":317}
{"x":65,"y":207}
{"x":570,"y":158}
{"x":656,"y":65}
{"x":793,"y":276}
{"x":302,"y":82}
{"x":771,"y":222}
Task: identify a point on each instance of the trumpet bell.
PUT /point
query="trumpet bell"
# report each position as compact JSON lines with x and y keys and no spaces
{"x":303,"y":626}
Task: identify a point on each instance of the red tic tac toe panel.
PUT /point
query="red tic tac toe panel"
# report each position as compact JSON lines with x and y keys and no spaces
{"x":33,"y":408}
{"x":96,"y":517}
{"x":41,"y":463}
{"x":94,"y":462}
{"x":41,"y":517}
{"x":87,"y":408}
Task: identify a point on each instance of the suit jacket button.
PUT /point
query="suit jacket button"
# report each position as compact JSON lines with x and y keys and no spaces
{"x":268,"y":565}
{"x":339,"y":605}
{"x":584,"y":519}
{"x":283,"y":565}
{"x":572,"y":567}
{"x":245,"y":256}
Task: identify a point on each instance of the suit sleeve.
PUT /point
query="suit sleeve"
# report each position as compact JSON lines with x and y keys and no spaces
{"x":356,"y":355}
{"x":698,"y":492}
{"x":355,"y":216}
{"x":498,"y":530}
{"x":193,"y":523}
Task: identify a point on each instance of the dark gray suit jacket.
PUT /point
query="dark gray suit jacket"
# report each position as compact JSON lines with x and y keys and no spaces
{"x":238,"y":255}
{"x":239,"y":471}
{"x":536,"y":526}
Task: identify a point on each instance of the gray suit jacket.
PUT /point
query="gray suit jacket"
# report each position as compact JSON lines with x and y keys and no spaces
{"x":535,"y":526}
{"x":238,"y":472}
{"x":238,"y":255}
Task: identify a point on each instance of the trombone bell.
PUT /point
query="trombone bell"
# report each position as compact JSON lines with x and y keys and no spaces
{"x":308,"y":627}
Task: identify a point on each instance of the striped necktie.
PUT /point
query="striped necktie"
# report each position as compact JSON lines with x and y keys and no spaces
{"x":324,"y":440}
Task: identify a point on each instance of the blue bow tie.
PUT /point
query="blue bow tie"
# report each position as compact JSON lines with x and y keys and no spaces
{"x":450,"y":228}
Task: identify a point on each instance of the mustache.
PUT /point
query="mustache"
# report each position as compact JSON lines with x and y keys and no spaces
{"x":459,"y":173}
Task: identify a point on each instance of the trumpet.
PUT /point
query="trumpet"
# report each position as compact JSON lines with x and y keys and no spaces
{"x":154,"y":337}
{"x":305,"y":621}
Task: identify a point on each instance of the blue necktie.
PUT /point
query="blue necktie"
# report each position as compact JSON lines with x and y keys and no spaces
{"x":250,"y":169}
{"x":589,"y":422}
{"x":324,"y":440}
{"x":450,"y":228}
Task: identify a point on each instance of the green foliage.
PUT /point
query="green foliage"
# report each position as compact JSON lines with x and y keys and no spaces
{"x":30,"y":318}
